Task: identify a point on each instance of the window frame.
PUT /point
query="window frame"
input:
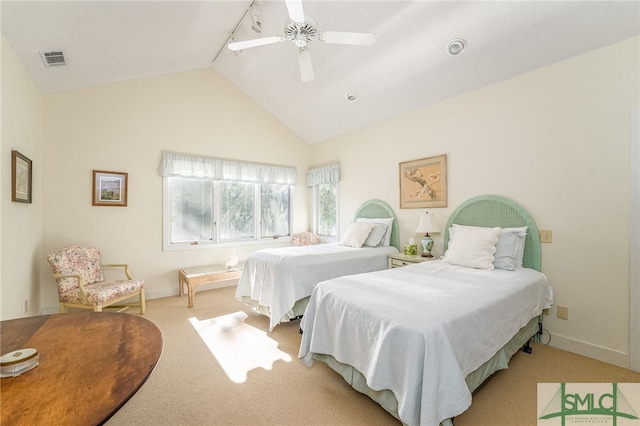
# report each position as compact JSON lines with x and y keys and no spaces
{"x":167,"y":245}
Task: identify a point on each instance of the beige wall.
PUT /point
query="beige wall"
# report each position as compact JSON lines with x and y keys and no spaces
{"x":21,"y":223}
{"x":557,"y":141}
{"x":124,"y":127}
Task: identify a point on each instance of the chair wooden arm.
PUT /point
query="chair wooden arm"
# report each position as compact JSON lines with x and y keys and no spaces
{"x":119,"y":265}
{"x":80,"y":283}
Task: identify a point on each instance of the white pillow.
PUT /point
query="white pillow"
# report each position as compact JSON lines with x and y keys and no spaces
{"x":376,"y":235}
{"x":473,"y":247}
{"x":387,"y":221}
{"x":356,"y":234}
{"x":510,"y":248}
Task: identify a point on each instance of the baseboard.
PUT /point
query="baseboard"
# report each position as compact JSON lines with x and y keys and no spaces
{"x":159,"y":294}
{"x":590,"y":350}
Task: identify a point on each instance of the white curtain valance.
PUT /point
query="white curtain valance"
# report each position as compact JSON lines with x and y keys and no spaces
{"x":173,"y":164}
{"x":325,"y":174}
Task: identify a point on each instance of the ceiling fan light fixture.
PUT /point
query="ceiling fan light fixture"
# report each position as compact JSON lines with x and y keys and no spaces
{"x":456,"y":46}
{"x":256,"y":18}
{"x":351,"y":96}
{"x":233,"y":40}
{"x":301,"y":30}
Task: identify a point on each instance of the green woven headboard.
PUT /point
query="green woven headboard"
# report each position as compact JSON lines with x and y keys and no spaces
{"x":378,"y":209}
{"x":494,"y":210}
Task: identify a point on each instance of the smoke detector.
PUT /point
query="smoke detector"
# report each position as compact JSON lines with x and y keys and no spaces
{"x":54,"y":59}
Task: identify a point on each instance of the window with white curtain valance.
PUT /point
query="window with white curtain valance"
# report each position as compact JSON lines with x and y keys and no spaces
{"x":184,"y":165}
{"x":323,"y":175}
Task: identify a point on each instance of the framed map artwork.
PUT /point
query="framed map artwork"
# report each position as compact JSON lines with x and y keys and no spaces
{"x":423,"y":183}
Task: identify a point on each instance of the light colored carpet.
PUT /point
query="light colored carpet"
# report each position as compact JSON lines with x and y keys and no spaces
{"x":189,"y":386}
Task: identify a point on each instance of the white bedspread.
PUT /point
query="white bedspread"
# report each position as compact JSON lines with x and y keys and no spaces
{"x":421,"y":329}
{"x":278,"y":278}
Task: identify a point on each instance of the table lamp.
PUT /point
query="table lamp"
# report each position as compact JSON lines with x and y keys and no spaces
{"x":426,"y":225}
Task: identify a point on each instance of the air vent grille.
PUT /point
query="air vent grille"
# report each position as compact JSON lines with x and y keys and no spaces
{"x":54,"y":59}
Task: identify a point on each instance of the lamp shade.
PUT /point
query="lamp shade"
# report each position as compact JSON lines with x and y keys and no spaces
{"x":427,"y":224}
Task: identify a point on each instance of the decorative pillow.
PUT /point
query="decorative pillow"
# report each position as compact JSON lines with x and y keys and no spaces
{"x":386,"y":240}
{"x":510,"y":248}
{"x":305,"y":239}
{"x":520,"y":252}
{"x":473,"y":247}
{"x":376,"y":235}
{"x":356,"y":234}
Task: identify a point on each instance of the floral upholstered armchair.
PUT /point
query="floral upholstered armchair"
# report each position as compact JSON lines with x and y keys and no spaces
{"x":81,"y":282}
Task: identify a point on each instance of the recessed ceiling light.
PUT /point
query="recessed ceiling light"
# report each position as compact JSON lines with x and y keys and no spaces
{"x":351,"y":97}
{"x":455,"y":46}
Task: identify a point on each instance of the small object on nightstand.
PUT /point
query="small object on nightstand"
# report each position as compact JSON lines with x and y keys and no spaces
{"x":426,"y":225}
{"x":411,"y":247}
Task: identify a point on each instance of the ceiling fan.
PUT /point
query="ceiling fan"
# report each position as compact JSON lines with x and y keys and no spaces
{"x":301,"y":30}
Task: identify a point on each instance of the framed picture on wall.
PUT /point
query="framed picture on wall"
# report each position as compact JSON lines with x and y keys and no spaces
{"x":109,"y":188}
{"x":423,"y":183}
{"x":21,"y":178}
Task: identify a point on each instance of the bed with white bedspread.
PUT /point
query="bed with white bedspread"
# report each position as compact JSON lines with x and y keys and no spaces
{"x":277,"y":282}
{"x":419,"y":339}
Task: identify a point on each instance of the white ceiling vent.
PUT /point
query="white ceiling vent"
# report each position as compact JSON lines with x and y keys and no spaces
{"x":54,"y":59}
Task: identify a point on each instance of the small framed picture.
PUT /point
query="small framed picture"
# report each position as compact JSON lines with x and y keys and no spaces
{"x":21,"y":178}
{"x":109,"y":188}
{"x":423,"y":183}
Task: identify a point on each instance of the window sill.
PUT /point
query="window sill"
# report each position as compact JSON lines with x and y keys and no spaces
{"x":204,"y":246}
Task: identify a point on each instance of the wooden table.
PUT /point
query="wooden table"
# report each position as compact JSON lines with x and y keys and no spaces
{"x":194,"y":277}
{"x":91,"y":363}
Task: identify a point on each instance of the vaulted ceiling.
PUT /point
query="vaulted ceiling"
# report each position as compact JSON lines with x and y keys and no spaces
{"x":407,"y":68}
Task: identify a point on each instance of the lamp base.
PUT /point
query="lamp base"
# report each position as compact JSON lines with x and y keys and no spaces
{"x":427,"y":245}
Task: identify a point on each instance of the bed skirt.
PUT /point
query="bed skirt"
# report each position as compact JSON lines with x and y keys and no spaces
{"x":296,"y":312}
{"x":387,"y":399}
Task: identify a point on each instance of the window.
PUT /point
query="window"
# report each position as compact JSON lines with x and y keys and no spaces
{"x":237,"y":211}
{"x":275,"y":210}
{"x":326,"y":210}
{"x":210,"y":201}
{"x":190,"y":210}
{"x":203,"y":211}
{"x":324,"y":181}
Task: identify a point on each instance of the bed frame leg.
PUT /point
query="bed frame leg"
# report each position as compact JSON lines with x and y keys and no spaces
{"x":527,"y":347}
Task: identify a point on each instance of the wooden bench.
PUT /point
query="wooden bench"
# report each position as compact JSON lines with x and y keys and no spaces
{"x":196,"y":276}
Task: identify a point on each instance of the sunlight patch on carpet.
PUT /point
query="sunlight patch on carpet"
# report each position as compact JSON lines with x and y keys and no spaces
{"x":238,"y":347}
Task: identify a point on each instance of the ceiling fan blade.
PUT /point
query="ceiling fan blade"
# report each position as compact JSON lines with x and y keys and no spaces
{"x":359,"y":39}
{"x":240,"y":45}
{"x":306,"y":67}
{"x":296,"y":12}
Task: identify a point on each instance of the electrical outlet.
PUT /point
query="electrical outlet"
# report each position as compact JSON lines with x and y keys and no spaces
{"x":546,"y":236}
{"x":563,"y":312}
{"x":545,"y":311}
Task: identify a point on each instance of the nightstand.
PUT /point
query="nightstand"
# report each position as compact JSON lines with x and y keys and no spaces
{"x":398,"y":260}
